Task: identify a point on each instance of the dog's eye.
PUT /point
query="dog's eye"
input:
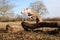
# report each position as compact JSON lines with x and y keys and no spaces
{"x":29,"y":14}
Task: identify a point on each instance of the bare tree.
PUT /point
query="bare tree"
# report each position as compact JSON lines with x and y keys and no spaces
{"x":39,"y":7}
{"x":6,"y":10}
{"x":5,"y":7}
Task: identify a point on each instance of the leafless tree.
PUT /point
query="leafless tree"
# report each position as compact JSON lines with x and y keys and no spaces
{"x":39,"y":7}
{"x":5,"y":7}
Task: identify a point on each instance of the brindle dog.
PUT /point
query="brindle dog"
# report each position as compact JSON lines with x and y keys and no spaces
{"x":29,"y":27}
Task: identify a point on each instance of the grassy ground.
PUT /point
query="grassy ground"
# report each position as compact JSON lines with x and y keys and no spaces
{"x":24,"y":35}
{"x":3,"y":24}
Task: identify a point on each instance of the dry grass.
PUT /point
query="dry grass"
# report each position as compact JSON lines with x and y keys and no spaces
{"x":3,"y":24}
{"x":23,"y":35}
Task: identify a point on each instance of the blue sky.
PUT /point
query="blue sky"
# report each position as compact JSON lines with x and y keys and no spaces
{"x":53,"y":6}
{"x":21,"y":4}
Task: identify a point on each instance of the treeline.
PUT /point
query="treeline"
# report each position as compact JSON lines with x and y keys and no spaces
{"x":9,"y":19}
{"x":6,"y":11}
{"x":52,"y":19}
{"x":21,"y":19}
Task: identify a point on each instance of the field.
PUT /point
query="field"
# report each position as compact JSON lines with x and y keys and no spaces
{"x":3,"y":24}
{"x":24,"y":35}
